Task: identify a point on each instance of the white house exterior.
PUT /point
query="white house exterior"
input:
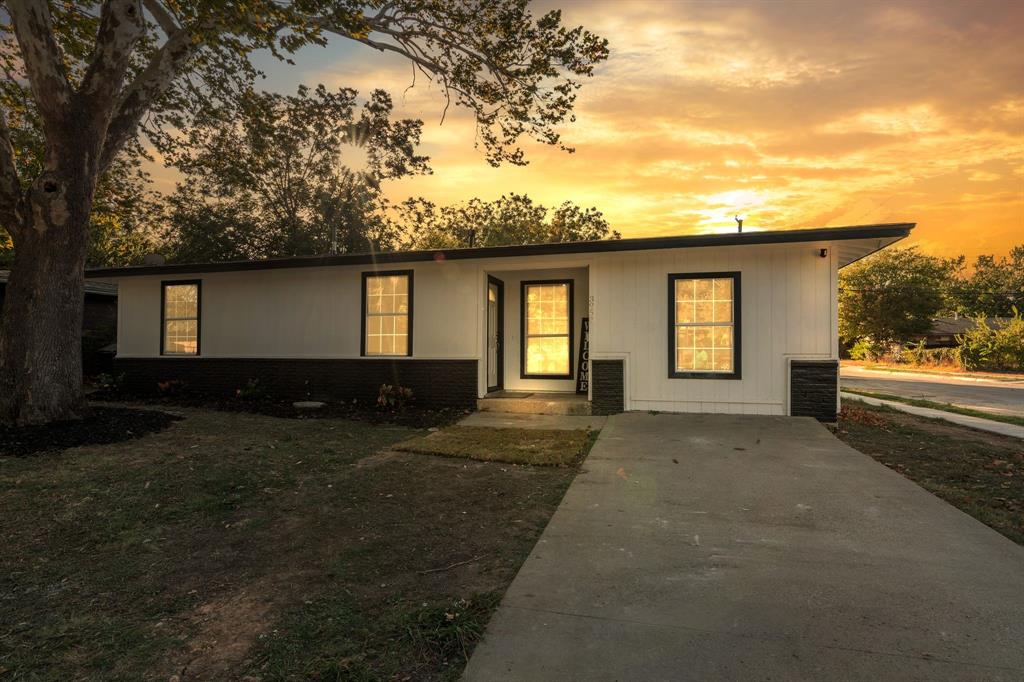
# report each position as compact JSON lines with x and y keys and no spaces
{"x":740,"y":323}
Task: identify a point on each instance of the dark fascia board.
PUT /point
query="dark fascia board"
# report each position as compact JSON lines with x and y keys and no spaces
{"x":91,"y":288}
{"x":889,"y":230}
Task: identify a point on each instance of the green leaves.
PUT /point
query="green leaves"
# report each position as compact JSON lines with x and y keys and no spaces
{"x":273,"y":175}
{"x":892,"y":295}
{"x":510,"y":219}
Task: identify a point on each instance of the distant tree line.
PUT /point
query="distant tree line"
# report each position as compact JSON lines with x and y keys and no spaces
{"x":889,"y":299}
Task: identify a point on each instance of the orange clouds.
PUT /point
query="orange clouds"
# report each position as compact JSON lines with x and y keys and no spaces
{"x":796,"y":114}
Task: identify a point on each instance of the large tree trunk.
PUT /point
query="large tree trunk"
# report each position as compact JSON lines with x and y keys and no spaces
{"x":41,"y":330}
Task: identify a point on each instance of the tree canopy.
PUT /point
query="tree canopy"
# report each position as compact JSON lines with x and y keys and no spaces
{"x":994,"y":288}
{"x":101,"y":72}
{"x":510,"y":219}
{"x":893,"y":295}
{"x":267,"y":177}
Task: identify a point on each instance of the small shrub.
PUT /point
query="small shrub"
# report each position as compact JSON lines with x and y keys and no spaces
{"x":393,"y":397}
{"x":1000,"y":348}
{"x":866,"y":349}
{"x":917,"y":354}
{"x":253,"y":390}
{"x":109,"y":382}
{"x":172,"y":387}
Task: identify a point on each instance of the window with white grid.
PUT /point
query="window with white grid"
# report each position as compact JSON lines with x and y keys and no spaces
{"x":180,"y":318}
{"x":704,"y":325}
{"x":547,"y":312}
{"x":388,"y":314}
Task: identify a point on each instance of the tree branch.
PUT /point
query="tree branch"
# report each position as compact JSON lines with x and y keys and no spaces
{"x":147,"y":87}
{"x":121,"y":26}
{"x":11,"y":196}
{"x":164,"y":18}
{"x":44,"y":62}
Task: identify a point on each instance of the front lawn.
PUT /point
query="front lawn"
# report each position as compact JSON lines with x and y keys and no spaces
{"x":518,"y":446}
{"x":980,"y":473}
{"x":234,"y":545}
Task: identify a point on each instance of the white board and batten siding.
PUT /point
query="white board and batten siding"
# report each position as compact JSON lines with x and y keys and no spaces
{"x":305,"y":312}
{"x":788,"y":295}
{"x":787,"y":311}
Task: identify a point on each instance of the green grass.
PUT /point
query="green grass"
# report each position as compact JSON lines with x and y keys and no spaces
{"x":945,"y":407}
{"x":234,"y":545}
{"x":980,"y":473}
{"x":515,"y":446}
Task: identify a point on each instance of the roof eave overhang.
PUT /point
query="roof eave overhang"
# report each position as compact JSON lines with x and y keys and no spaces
{"x":891,"y":232}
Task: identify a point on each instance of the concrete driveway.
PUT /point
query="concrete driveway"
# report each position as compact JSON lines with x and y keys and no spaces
{"x":718,"y":547}
{"x":998,"y":397}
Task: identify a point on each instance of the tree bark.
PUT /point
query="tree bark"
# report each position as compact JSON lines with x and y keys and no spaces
{"x":41,"y":329}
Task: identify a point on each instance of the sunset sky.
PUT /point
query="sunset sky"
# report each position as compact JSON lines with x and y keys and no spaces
{"x":796,"y":114}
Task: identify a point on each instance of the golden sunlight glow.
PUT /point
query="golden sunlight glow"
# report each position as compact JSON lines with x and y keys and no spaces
{"x":547,"y":329}
{"x":779,"y":110}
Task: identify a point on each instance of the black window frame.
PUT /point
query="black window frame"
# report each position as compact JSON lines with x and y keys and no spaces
{"x":522,"y":329}
{"x":737,"y":319}
{"x":362,"y":334}
{"x":163,"y":317}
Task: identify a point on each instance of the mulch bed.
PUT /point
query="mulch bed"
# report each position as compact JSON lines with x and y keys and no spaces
{"x":98,"y":425}
{"x":410,"y":416}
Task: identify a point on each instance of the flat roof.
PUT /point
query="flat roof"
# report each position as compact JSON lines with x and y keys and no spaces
{"x":872,"y":238}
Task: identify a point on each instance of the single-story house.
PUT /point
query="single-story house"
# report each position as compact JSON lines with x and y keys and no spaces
{"x":945,"y":330}
{"x":740,"y":323}
{"x":99,"y":323}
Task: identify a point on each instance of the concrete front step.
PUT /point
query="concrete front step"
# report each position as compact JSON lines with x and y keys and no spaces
{"x":537,"y":403}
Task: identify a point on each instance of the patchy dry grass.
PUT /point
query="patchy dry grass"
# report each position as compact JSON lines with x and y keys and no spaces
{"x":980,"y":473}
{"x":515,"y":446}
{"x":234,"y":545}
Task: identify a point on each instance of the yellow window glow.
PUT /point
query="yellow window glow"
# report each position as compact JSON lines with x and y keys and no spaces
{"x":547,"y":339}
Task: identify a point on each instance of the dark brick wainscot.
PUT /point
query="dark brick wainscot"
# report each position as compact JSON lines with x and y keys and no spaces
{"x":435,"y":383}
{"x":607,"y":387}
{"x":814,"y":389}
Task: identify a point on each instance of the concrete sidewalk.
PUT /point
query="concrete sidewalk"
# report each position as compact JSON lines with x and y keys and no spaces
{"x":720,"y":547}
{"x":1002,"y":428}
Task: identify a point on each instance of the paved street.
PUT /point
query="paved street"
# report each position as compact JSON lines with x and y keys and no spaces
{"x":1001,"y":397}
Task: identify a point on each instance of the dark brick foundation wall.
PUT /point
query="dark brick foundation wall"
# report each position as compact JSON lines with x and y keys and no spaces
{"x":435,"y":383}
{"x":607,"y":387}
{"x":813,"y":389}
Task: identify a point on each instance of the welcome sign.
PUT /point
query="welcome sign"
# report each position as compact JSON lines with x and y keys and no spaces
{"x":583,"y":372}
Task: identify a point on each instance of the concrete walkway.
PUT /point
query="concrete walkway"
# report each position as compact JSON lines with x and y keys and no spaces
{"x":719,"y":547}
{"x":980,"y":423}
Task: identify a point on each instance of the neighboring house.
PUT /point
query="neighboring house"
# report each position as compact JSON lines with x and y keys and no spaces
{"x":99,"y":323}
{"x":945,"y":330}
{"x":740,"y":323}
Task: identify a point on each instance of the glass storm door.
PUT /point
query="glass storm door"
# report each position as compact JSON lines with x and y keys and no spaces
{"x":495,"y":315}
